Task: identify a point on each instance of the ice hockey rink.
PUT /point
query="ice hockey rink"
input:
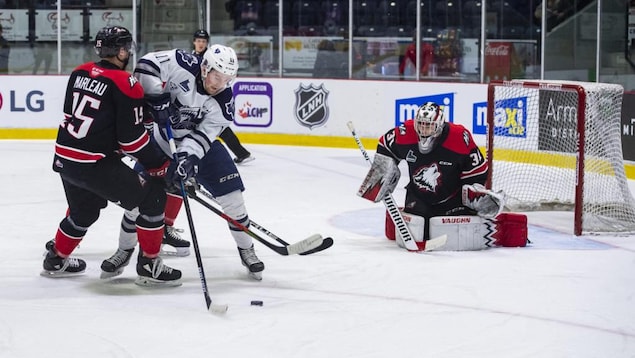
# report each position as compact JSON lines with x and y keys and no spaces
{"x":561,"y":296}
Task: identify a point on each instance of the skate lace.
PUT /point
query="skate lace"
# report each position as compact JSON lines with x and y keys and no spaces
{"x":69,"y":262}
{"x":158,"y":267}
{"x":119,"y":257}
{"x":173,"y":233}
{"x":249,"y":256}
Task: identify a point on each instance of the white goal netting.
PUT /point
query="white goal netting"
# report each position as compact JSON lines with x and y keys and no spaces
{"x":534,"y":148}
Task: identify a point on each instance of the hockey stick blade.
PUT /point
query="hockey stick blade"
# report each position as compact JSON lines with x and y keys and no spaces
{"x":310,"y":243}
{"x":326,"y":243}
{"x":218,"y":309}
{"x":436,"y":243}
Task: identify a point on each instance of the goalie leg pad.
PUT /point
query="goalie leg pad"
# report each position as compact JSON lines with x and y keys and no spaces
{"x":382,"y":178}
{"x":464,"y":233}
{"x":511,"y":230}
{"x":416,"y":225}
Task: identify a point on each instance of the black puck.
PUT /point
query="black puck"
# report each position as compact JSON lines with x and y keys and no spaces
{"x":256,"y":303}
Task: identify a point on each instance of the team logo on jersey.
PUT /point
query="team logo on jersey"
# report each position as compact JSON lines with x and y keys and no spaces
{"x":187,"y":58}
{"x":427,"y":178}
{"x":466,"y":138}
{"x":132,"y":80}
{"x":229,"y":109}
{"x":311,"y":109}
{"x":411,"y":157}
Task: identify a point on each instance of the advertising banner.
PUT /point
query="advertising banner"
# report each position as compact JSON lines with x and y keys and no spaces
{"x":15,"y":24}
{"x":46,"y":23}
{"x":628,"y":126}
{"x":557,"y":121}
{"x":111,"y":17}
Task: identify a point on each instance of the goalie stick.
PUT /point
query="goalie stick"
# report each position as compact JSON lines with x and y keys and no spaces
{"x":212,"y":307}
{"x":311,"y":244}
{"x":328,"y":242}
{"x":393,"y":210}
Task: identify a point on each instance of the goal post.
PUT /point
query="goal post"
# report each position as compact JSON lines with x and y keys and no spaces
{"x":556,"y":145}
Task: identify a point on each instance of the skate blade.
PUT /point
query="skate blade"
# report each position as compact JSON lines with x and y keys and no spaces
{"x":175,"y":251}
{"x":60,"y":274}
{"x":255,"y":275}
{"x":106,"y":275}
{"x":151,"y":282}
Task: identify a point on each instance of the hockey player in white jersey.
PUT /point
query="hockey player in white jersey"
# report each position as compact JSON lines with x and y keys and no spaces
{"x":194,"y":97}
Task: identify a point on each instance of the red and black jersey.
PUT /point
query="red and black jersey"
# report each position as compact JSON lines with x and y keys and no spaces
{"x":436,"y":178}
{"x":103,"y":116}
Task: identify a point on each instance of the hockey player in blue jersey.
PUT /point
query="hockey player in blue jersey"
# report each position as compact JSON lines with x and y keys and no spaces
{"x":195,"y":98}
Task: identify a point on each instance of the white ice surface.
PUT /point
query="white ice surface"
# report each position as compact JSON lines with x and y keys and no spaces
{"x":364,"y":297}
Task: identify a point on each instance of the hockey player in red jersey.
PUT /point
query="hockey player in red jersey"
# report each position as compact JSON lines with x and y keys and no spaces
{"x":103,"y":115}
{"x":447,"y":174}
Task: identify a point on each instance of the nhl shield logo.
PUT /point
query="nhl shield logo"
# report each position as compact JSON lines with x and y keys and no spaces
{"x":311,"y":109}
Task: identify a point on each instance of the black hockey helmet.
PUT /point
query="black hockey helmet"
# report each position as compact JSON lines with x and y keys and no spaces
{"x":110,"y":39}
{"x":201,"y":34}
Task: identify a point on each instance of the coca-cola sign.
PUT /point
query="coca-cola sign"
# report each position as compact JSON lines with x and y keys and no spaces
{"x":498,"y":60}
{"x":499,"y":49}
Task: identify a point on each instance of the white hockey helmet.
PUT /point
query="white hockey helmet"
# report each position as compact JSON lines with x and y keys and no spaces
{"x":220,"y":58}
{"x":429,"y":121}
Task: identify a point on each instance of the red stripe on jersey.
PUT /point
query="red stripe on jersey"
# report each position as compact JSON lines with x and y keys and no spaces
{"x":135,"y":145}
{"x":479,"y":170}
{"x":126,"y":82}
{"x":77,"y":155}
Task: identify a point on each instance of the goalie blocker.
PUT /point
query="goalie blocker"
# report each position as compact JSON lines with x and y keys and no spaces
{"x":466,"y":233}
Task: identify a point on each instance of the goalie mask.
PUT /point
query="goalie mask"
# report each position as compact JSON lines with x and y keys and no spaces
{"x":429,"y":121}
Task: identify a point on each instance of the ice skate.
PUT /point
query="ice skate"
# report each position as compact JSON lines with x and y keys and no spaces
{"x":55,"y":266}
{"x":173,"y":244}
{"x":243,"y":160}
{"x":114,"y":265}
{"x":251,"y":262}
{"x":154,"y":273}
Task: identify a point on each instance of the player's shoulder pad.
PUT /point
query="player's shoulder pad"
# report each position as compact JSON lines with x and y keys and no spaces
{"x":188,"y":61}
{"x":124,"y":81}
{"x":459,"y":139}
{"x":405,"y":134}
{"x":225,"y":100}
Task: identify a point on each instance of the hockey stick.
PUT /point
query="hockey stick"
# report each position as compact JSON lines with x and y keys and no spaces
{"x":328,"y":242}
{"x":309,"y":244}
{"x":212,"y":307}
{"x":393,"y":211}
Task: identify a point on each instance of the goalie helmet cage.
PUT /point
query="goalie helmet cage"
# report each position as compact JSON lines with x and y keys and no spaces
{"x":556,"y":145}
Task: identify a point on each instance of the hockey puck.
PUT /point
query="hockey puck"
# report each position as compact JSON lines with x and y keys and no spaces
{"x":256,"y":303}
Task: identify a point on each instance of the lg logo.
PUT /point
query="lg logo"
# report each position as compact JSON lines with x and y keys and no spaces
{"x":32,"y":101}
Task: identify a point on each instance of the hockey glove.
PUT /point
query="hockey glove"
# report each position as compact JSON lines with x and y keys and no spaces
{"x":159,"y":172}
{"x":488,"y":204}
{"x":382,"y":178}
{"x":186,"y":167}
{"x":162,"y":110}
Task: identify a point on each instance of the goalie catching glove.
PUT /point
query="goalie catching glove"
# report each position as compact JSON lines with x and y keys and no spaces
{"x":382,"y":178}
{"x":488,"y":204}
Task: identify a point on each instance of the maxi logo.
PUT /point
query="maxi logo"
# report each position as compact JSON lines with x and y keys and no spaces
{"x":311,"y":108}
{"x":406,"y":108}
{"x":510,"y":117}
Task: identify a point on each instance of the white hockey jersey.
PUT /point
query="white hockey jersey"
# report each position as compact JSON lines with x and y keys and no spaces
{"x":203,"y":116}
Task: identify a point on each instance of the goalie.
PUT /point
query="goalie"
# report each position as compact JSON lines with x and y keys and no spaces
{"x":446,"y":193}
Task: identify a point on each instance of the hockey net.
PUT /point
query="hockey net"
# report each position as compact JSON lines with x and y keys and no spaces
{"x":534,"y":132}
